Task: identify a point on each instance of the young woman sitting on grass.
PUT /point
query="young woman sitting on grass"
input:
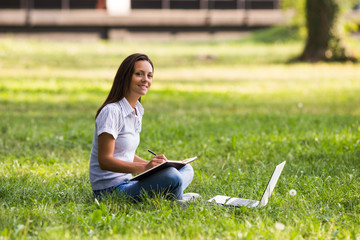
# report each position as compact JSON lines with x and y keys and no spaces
{"x":117,"y":128}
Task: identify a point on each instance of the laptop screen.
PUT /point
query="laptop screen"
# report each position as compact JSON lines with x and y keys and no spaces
{"x":271,"y":184}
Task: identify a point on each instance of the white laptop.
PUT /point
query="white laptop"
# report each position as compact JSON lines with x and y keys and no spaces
{"x":238,"y":202}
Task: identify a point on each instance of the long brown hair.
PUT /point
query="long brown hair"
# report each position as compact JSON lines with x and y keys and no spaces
{"x":122,"y":79}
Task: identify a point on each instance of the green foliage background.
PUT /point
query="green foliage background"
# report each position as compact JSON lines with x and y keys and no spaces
{"x":296,"y":8}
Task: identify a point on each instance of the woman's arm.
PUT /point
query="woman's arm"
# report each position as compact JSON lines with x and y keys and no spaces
{"x":139,"y":159}
{"x":106,"y":146}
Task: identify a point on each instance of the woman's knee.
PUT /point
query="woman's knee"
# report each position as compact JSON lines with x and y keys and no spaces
{"x":188,"y":170}
{"x":172,"y":177}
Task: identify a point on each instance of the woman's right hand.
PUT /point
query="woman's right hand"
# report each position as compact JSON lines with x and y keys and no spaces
{"x":158,"y":159}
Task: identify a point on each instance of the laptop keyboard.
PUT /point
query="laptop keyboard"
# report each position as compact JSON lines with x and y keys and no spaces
{"x":239,"y":202}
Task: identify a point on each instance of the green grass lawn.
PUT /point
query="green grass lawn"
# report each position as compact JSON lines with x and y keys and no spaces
{"x":237,"y":105}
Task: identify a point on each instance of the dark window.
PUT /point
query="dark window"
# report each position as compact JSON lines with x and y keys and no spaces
{"x":57,"y":4}
{"x":46,"y":4}
{"x":265,"y":4}
{"x":184,"y":4}
{"x":222,"y":4}
{"x":146,"y":4}
{"x":78,"y":4}
{"x":10,"y":4}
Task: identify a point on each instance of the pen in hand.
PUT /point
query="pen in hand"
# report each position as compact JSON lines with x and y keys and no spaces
{"x":152,"y":152}
{"x":161,"y":159}
{"x":157,"y":160}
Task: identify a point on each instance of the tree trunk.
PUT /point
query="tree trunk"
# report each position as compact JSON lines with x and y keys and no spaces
{"x":325,"y":39}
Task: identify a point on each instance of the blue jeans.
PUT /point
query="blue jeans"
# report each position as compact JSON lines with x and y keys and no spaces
{"x":169,"y":182}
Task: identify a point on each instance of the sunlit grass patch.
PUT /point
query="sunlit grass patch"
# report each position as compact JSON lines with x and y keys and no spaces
{"x":236,"y":105}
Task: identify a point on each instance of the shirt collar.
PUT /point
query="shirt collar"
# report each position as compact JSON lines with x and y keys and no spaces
{"x":125,"y":105}
{"x":139,"y":108}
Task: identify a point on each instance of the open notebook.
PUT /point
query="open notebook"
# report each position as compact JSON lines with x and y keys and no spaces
{"x":169,"y":163}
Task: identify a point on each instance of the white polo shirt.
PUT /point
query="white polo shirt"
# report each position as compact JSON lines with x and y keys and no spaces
{"x":119,"y":120}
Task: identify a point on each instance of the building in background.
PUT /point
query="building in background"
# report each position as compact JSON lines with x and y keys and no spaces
{"x":130,"y":19}
{"x":142,"y":4}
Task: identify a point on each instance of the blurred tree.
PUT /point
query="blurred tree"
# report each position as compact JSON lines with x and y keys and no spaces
{"x":324,"y":22}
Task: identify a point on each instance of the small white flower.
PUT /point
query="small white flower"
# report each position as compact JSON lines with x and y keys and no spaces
{"x":91,"y":232}
{"x":57,"y":173}
{"x":300,"y":105}
{"x":97,"y":202}
{"x":214,"y":176}
{"x":279,"y":226}
{"x":316,"y":139}
{"x":292,"y":192}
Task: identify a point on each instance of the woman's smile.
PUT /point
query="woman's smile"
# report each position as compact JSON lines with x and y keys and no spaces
{"x":141,"y":79}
